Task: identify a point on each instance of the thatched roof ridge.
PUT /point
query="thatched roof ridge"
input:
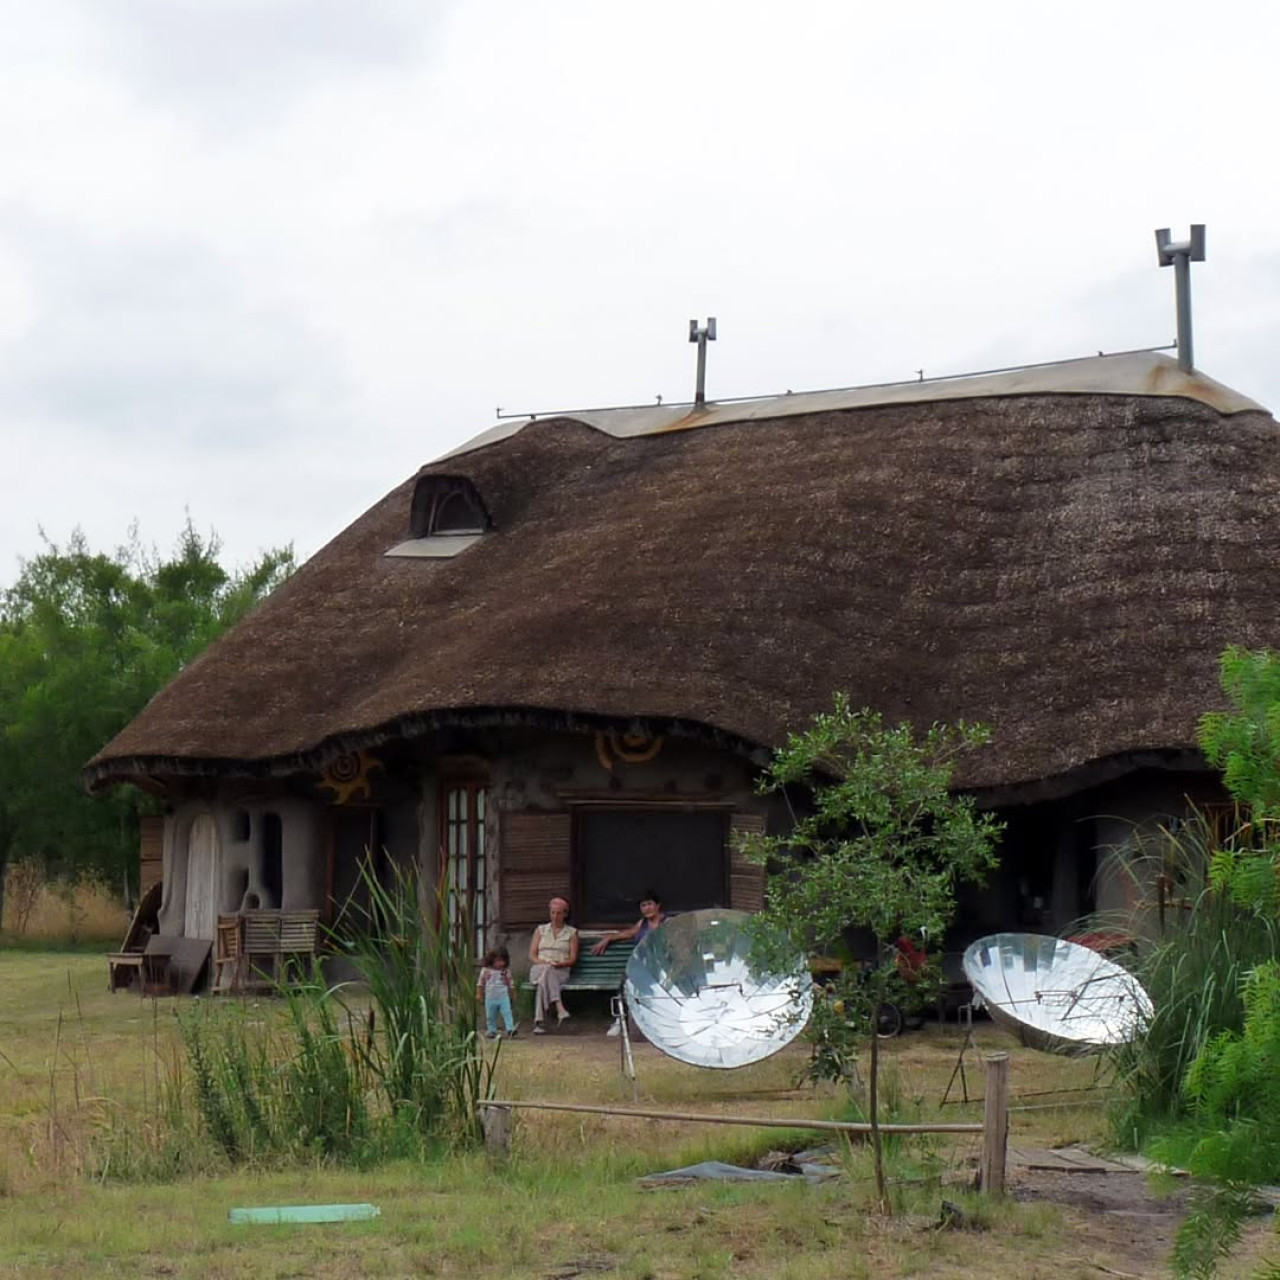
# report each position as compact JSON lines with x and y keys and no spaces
{"x":1065,"y":567}
{"x":1126,"y":373}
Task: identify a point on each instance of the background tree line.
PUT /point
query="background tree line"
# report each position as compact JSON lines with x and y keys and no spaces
{"x":86,"y":640}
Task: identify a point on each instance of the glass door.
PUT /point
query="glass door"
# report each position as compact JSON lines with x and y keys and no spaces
{"x":465,"y":868}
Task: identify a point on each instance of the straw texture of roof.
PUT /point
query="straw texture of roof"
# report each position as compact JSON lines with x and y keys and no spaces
{"x":1066,"y":568}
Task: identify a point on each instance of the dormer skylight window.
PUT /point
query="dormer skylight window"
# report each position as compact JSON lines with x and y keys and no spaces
{"x":446,"y":517}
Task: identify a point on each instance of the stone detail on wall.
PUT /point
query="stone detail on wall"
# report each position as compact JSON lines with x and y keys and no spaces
{"x":296,"y":882}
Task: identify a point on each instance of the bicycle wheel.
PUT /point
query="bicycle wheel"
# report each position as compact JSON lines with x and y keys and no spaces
{"x":888,"y":1021}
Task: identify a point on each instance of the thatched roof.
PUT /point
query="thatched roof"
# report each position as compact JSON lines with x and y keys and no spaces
{"x":1065,"y":563}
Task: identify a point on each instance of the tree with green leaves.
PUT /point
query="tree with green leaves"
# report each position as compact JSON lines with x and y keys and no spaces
{"x":879,"y":845}
{"x":1244,"y":742}
{"x":86,"y":640}
{"x":1230,"y":1091}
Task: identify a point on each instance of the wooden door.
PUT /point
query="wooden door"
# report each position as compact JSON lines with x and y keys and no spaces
{"x":203,"y":859}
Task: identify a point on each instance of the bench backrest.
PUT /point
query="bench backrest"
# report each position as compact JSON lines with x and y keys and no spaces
{"x":261,"y":932}
{"x":600,"y":973}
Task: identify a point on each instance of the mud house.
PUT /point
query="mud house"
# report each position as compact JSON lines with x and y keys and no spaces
{"x":552,"y":661}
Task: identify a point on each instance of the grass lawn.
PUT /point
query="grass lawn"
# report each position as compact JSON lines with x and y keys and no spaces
{"x":75,"y":1059}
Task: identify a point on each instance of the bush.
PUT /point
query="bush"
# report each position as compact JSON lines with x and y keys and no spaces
{"x":1194,"y":968}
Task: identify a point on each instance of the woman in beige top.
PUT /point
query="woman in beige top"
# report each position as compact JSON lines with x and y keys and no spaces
{"x":552,"y":954}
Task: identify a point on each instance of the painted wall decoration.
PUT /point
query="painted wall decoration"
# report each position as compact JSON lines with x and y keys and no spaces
{"x":631,"y":748}
{"x":347,"y":776}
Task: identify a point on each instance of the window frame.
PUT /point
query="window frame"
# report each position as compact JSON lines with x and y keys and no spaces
{"x":432,"y":498}
{"x":475,"y":790}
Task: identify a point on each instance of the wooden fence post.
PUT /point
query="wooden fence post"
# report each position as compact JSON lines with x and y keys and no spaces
{"x":496,"y":1122}
{"x":995,"y":1125}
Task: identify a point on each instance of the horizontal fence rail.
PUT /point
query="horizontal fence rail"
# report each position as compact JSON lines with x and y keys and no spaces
{"x":495,"y":1115}
{"x":832,"y":1126}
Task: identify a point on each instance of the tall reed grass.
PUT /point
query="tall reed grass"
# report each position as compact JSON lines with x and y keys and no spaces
{"x":391,"y":1066}
{"x":422,"y":1043}
{"x":284,"y":1093}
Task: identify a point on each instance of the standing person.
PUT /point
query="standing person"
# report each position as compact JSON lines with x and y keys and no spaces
{"x":496,"y":989}
{"x":553,"y":952}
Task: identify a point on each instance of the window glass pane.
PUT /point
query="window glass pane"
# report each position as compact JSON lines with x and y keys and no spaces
{"x":679,"y":856}
{"x":464,"y":841}
{"x":456,"y":513}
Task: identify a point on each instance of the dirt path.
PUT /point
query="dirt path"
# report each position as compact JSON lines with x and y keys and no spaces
{"x":1124,"y":1228}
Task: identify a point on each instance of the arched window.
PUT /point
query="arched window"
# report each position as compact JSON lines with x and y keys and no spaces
{"x":446,"y":517}
{"x":446,"y":505}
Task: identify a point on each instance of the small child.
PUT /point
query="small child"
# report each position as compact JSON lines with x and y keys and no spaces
{"x":495,"y":988}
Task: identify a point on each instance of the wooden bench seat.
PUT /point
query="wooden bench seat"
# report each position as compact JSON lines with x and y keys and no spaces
{"x":597,"y":973}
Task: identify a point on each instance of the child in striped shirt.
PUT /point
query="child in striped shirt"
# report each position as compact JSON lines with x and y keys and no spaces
{"x":495,"y":988}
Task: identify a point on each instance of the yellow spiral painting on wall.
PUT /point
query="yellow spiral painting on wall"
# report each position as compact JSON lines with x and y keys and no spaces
{"x":347,"y":776}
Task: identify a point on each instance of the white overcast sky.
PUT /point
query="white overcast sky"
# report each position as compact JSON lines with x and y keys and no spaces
{"x":261,"y":259}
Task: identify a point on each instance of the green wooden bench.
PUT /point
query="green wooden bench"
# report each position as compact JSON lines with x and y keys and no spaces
{"x":597,"y":973}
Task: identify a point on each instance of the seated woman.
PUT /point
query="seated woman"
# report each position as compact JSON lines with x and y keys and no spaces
{"x":553,"y":952}
{"x":651,"y":916}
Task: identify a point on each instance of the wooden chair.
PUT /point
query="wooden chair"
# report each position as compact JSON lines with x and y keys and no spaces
{"x":125,"y":965}
{"x":260,"y":950}
{"x":228,"y":957}
{"x":298,"y":942}
{"x":299,"y":932}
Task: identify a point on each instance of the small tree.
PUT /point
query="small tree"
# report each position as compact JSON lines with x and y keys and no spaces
{"x":879,"y":845}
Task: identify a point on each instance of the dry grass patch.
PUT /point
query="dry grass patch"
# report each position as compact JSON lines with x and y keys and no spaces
{"x":54,"y":913}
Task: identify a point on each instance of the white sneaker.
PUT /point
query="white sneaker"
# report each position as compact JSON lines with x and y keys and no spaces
{"x":616,"y":1029}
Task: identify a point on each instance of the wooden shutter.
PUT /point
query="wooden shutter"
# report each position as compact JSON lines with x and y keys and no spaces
{"x":534,"y":863}
{"x":151,"y":851}
{"x":746,"y":879}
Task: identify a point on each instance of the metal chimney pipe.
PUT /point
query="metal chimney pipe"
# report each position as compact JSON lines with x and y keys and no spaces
{"x":702,"y":336}
{"x":1180,"y":256}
